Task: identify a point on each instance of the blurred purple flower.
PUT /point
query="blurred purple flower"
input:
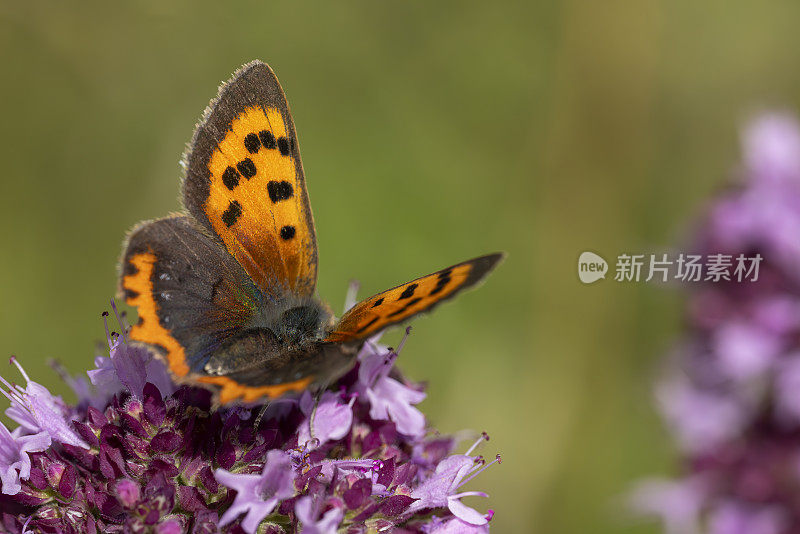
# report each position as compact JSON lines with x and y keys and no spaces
{"x":258,"y":495}
{"x":766,"y":211}
{"x":700,"y":418}
{"x":744,"y":349}
{"x":677,"y":503}
{"x":733,"y":398}
{"x":772,"y":149}
{"x":735,"y":518}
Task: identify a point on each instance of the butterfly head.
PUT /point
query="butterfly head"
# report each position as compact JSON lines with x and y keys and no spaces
{"x":301,"y":322}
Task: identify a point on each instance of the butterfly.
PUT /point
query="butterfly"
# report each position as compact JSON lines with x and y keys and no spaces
{"x":225,"y":291}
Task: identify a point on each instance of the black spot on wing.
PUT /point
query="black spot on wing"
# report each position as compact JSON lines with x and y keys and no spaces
{"x":129,"y":269}
{"x":247,"y":167}
{"x":130,"y":294}
{"x":285,"y":146}
{"x":287,"y":232}
{"x":444,"y":279}
{"x":267,"y":139}
{"x":377,"y":303}
{"x":408,"y":292}
{"x":406,"y":307}
{"x":252,"y":143}
{"x":232,"y":214}
{"x":279,"y":190}
{"x":370,"y":323}
{"x":230,"y":178}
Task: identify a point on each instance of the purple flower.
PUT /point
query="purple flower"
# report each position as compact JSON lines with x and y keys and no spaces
{"x":772,"y":148}
{"x":258,"y":495}
{"x":454,"y":525}
{"x":700,"y":418}
{"x":330,"y":419}
{"x":766,"y":211}
{"x":307,"y":511}
{"x":128,"y":366}
{"x":735,"y":518}
{"x":732,"y":398}
{"x":140,"y":455}
{"x":15,"y":464}
{"x":745,"y":350}
{"x":440,"y":489}
{"x":37,"y":410}
{"x":677,"y":504}
{"x":388,"y":398}
{"x":787,"y":389}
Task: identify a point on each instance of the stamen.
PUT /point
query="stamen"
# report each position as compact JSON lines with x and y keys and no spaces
{"x":477,"y":472}
{"x":403,"y":341}
{"x":119,"y":320}
{"x":13,"y":360}
{"x":484,"y":436}
{"x":14,"y":393}
{"x":108,"y":334}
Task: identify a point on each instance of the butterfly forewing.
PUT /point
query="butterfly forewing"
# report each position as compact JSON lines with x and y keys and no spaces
{"x":244,"y":182}
{"x":404,"y":301}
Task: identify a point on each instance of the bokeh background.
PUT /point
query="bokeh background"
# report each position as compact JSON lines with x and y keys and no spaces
{"x":430,"y":132}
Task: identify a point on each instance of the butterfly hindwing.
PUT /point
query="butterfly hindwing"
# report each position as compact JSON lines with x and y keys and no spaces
{"x":201,"y":312}
{"x":244,"y":182}
{"x":190,"y":294}
{"x":404,"y":301}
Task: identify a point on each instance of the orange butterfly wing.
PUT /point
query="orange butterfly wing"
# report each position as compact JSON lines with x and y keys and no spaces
{"x":244,"y":182}
{"x":399,"y":303}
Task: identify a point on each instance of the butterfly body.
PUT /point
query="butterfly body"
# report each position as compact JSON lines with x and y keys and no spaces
{"x":226,"y":291}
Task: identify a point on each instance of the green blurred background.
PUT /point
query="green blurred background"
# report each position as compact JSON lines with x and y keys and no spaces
{"x":431,"y":132}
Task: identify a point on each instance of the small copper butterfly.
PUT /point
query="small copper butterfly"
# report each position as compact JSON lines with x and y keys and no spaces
{"x":225,"y":291}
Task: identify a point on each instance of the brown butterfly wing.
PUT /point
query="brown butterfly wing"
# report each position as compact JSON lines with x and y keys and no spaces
{"x":198,"y":310}
{"x":404,"y":301}
{"x":244,"y":182}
